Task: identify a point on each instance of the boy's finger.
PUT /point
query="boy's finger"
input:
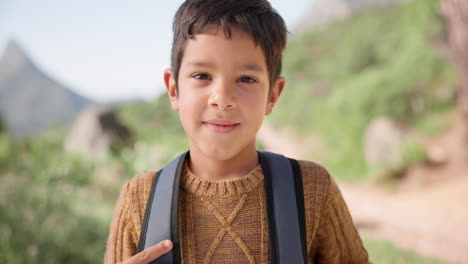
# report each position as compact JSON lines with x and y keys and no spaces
{"x":151,"y":253}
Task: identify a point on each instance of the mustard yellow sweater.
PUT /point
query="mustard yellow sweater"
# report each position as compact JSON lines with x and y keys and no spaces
{"x":226,"y":221}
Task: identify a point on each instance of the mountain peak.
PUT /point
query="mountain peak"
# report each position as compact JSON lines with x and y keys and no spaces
{"x":13,"y":46}
{"x":23,"y":88}
{"x":14,"y":56}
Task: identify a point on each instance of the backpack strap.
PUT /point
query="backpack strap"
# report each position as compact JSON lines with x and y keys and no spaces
{"x":164,"y":197}
{"x":298,"y":186}
{"x":285,"y":208}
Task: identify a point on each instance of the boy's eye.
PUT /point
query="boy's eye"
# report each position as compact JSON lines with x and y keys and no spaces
{"x":247,"y":79}
{"x":201,"y":76}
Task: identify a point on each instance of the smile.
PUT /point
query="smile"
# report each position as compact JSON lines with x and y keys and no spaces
{"x":220,"y":126}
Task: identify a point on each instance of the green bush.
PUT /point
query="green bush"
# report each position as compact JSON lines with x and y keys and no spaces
{"x":378,"y":63}
{"x":50,"y":212}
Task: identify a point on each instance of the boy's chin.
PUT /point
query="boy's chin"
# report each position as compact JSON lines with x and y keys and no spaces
{"x":223,"y":153}
{"x":220,"y":154}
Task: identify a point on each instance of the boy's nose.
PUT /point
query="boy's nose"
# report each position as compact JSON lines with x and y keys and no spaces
{"x":222,"y":97}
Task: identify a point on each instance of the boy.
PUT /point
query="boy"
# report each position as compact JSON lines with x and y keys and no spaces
{"x":224,"y":78}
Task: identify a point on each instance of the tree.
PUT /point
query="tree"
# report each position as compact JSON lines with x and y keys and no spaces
{"x":456,"y":15}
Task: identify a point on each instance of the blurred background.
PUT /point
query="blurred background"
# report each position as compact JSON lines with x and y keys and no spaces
{"x":377,"y":92}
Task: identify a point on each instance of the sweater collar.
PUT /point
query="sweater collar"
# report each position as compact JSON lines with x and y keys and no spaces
{"x":201,"y":187}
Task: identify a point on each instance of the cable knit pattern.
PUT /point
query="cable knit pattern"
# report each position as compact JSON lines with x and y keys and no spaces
{"x":226,"y":222}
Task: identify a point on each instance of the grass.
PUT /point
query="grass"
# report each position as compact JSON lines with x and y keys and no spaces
{"x":385,"y":252}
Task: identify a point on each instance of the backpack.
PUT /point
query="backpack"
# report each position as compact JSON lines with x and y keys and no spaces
{"x":285,"y":210}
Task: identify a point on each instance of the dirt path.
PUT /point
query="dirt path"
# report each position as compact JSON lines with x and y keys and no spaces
{"x":431,"y":220}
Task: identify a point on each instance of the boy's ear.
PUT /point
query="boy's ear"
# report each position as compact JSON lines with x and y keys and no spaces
{"x":171,"y":88}
{"x":275,"y":93}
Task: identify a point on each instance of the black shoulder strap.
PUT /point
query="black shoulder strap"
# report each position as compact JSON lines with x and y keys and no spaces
{"x":164,"y":199}
{"x":144,"y":227}
{"x":285,"y":208}
{"x":298,"y":186}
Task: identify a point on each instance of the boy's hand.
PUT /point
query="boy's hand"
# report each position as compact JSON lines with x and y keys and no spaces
{"x":150,"y":254}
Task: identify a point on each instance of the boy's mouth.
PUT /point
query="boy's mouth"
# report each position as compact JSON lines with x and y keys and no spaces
{"x":220,"y":126}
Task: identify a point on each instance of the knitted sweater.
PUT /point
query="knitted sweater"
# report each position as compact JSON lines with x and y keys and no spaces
{"x":226,"y":221}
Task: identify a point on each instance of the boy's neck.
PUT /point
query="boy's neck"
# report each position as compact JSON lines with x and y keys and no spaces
{"x":219,"y":170}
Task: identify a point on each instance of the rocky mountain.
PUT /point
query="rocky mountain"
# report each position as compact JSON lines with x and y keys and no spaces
{"x":323,"y":12}
{"x":30,"y":100}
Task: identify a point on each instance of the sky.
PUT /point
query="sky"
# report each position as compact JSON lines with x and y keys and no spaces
{"x":106,"y":50}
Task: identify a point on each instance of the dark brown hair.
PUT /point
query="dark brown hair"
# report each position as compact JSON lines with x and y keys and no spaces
{"x":255,"y":17}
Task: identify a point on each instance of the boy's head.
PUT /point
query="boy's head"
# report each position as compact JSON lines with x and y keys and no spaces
{"x":255,"y":17}
{"x":226,"y":62}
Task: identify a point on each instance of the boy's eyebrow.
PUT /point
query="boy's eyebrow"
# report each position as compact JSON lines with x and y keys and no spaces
{"x":200,"y":64}
{"x":204,"y":64}
{"x":252,"y":67}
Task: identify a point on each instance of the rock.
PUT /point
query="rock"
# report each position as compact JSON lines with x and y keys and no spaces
{"x":436,"y":155}
{"x":383,"y":143}
{"x":94,"y":132}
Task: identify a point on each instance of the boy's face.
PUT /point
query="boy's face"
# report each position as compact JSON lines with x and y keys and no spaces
{"x":223,"y":93}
